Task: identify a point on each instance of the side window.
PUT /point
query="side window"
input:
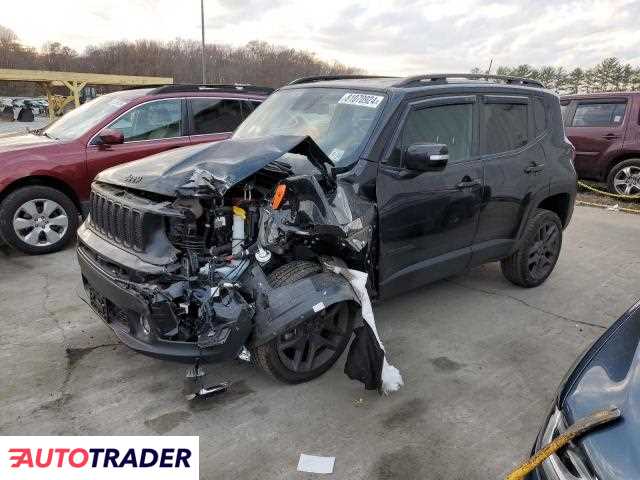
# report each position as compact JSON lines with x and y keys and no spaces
{"x":214,"y":115}
{"x":151,"y":121}
{"x":448,"y":124}
{"x":505,"y":127}
{"x":599,"y":114}
{"x":539,"y":116}
{"x":248,"y":107}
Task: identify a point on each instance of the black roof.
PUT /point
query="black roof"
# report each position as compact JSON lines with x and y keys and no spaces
{"x":416,"y":81}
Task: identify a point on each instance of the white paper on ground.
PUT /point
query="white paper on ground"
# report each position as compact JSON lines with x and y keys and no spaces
{"x":315,"y":464}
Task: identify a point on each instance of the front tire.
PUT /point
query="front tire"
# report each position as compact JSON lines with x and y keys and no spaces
{"x":38,"y":219}
{"x":533,"y":262}
{"x":307,"y":351}
{"x":624,"y":178}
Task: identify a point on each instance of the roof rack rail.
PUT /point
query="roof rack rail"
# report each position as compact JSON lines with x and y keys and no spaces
{"x":321,"y":78}
{"x":443,"y":77}
{"x":222,"y":87}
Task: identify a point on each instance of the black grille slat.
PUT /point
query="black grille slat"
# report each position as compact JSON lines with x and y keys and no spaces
{"x":138,"y":234}
{"x":119,"y":222}
{"x":125,"y":226}
{"x":117,"y":226}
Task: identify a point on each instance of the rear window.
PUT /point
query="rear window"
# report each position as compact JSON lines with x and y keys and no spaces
{"x":214,"y":115}
{"x":599,"y":114}
{"x":505,"y":127}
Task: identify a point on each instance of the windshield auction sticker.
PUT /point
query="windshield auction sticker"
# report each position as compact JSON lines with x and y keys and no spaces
{"x":361,"y":99}
{"x":99,"y":458}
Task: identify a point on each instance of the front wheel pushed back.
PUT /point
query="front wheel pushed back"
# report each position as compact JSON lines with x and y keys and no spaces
{"x":310,"y":349}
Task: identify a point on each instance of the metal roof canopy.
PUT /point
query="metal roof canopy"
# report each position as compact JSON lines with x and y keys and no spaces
{"x":75,"y":82}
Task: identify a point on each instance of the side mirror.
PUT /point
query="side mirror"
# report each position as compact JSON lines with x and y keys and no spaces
{"x":109,"y":136}
{"x":426,"y":157}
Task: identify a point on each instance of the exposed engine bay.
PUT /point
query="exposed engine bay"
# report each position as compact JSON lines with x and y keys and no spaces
{"x":187,"y":276}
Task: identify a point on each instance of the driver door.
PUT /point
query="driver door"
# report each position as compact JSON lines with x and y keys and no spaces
{"x":428,"y":219}
{"x":148,"y":128}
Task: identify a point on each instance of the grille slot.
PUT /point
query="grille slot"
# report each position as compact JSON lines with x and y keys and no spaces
{"x":119,"y":222}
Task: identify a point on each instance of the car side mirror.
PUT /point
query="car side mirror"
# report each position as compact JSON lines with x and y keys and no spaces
{"x":110,"y":136}
{"x":426,"y":157}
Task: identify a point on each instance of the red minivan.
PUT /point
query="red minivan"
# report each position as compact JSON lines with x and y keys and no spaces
{"x":605,"y":131}
{"x":45,"y":175}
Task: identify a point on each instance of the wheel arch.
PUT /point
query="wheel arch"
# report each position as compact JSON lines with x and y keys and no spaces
{"x":43,"y":181}
{"x":559,"y":204}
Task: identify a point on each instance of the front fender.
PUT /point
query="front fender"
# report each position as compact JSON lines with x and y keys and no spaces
{"x":281,"y":309}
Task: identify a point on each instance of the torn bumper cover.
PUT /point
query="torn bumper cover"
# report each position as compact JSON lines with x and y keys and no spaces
{"x":139,"y":323}
{"x":143,"y":321}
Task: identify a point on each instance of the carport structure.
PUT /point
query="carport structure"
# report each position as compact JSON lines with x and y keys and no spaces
{"x":75,"y":82}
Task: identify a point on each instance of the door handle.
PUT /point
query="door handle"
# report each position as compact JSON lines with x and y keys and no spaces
{"x":610,"y":136}
{"x":534,"y":167}
{"x":468,"y":184}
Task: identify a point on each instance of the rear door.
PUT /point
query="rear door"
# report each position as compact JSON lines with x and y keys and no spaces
{"x":596,"y":127}
{"x":148,"y":128}
{"x":428,"y":219}
{"x":214,"y":119}
{"x":515,"y":173}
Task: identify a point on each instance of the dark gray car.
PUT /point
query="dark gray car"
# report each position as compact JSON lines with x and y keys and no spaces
{"x":606,"y":375}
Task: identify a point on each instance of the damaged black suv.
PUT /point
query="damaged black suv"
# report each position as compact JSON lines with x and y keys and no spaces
{"x":198,"y":252}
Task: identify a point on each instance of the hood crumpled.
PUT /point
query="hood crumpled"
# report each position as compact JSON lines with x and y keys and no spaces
{"x":211,"y":167}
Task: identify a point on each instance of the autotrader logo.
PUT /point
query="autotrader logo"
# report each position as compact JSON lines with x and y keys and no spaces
{"x":70,"y":458}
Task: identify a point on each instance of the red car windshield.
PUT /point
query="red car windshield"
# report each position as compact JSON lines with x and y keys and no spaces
{"x":75,"y":123}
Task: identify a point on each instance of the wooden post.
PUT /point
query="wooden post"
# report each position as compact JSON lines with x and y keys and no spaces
{"x":50,"y":100}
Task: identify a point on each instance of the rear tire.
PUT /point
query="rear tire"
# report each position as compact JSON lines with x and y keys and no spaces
{"x":624,"y":178}
{"x":307,"y":351}
{"x":533,"y":262}
{"x":38,"y":219}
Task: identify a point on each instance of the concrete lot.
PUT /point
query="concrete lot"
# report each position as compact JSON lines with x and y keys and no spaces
{"x":7,"y":128}
{"x":481,"y":360}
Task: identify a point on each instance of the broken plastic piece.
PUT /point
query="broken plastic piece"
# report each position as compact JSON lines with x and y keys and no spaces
{"x":195,"y":384}
{"x":315,"y":464}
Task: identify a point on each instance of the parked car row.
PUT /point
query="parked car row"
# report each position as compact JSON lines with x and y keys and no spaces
{"x":22,"y":109}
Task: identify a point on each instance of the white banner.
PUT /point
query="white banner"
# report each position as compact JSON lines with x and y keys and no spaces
{"x":98,"y":458}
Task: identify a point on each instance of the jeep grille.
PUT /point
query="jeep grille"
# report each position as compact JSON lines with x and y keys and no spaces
{"x":119,"y":222}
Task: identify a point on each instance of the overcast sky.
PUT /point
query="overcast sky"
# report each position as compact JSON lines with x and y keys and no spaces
{"x":381,"y":36}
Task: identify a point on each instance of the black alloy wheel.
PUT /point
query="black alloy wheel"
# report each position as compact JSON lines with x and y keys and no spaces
{"x":539,"y":248}
{"x":315,"y":342}
{"x":544,"y":252}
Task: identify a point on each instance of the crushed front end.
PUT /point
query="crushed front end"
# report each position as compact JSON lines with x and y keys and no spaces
{"x":179,"y":267}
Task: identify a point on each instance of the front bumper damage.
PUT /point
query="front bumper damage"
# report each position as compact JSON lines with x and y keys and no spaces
{"x":137,"y":316}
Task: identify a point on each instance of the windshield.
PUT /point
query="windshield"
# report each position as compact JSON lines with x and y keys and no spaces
{"x":75,"y":123}
{"x":338,"y":120}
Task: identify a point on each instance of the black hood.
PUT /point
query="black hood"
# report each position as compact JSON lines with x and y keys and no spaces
{"x":213,"y":166}
{"x":609,"y":376}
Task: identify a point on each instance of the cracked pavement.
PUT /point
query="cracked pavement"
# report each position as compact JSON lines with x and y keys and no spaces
{"x":481,"y":360}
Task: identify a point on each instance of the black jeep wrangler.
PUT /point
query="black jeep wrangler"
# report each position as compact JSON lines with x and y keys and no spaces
{"x":197,"y":252}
